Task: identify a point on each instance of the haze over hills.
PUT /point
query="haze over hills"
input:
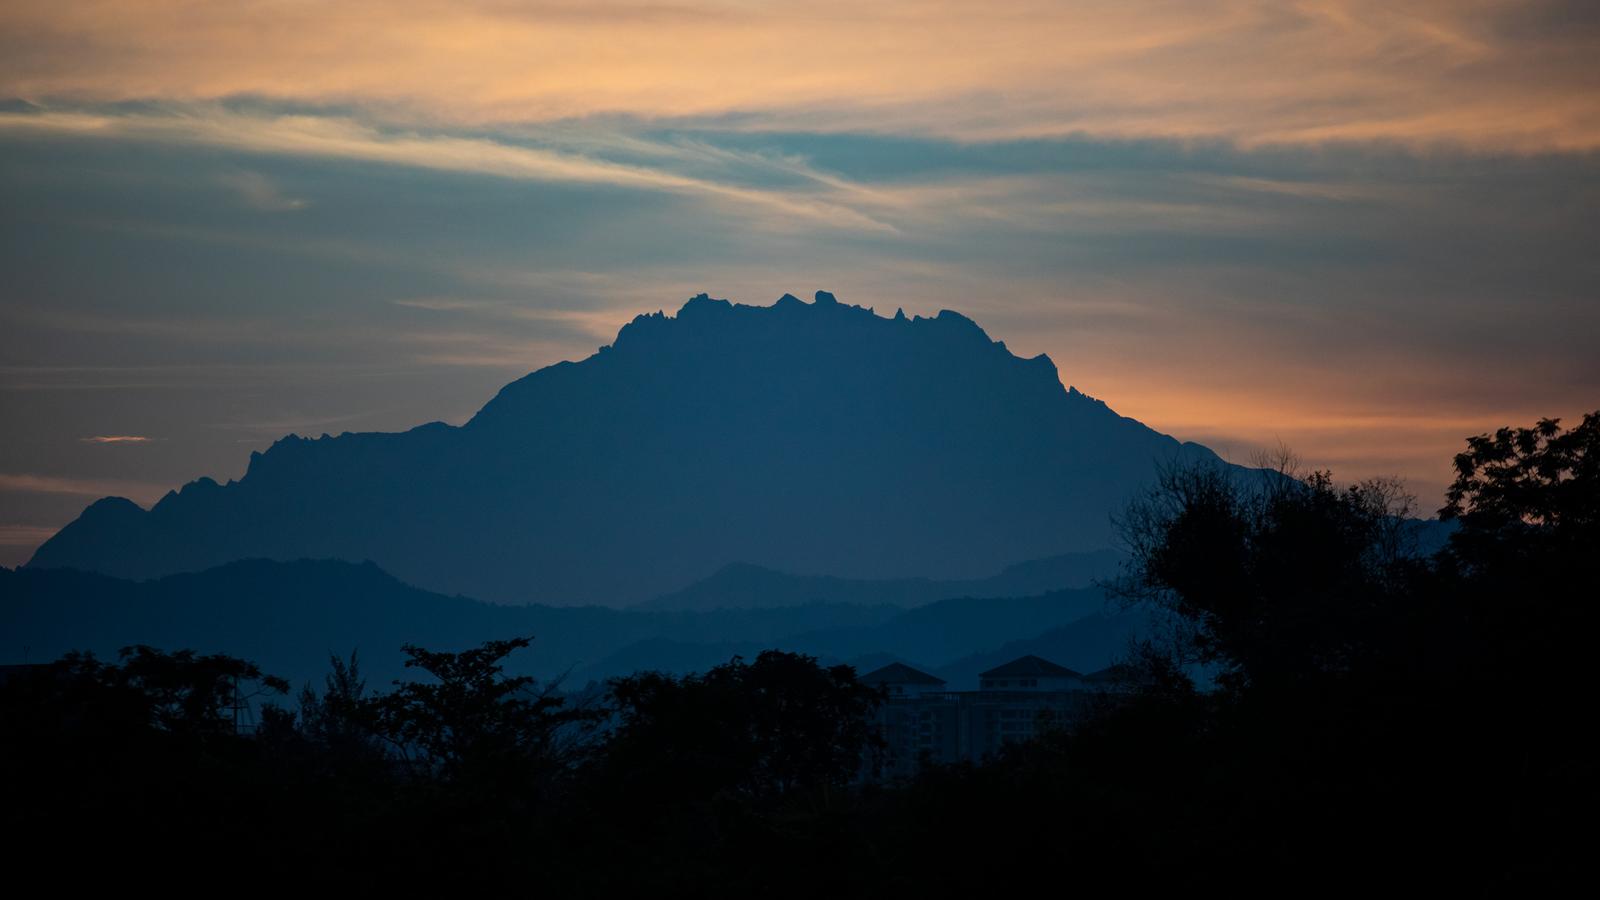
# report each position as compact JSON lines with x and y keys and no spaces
{"x":289,"y":616}
{"x":744,"y":586}
{"x":810,"y":438}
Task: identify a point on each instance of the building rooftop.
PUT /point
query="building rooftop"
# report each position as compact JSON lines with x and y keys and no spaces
{"x":1030,"y":667}
{"x":899,"y":673}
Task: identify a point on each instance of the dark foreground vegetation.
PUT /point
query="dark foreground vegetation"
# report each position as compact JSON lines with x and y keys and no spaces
{"x":1368,"y":718}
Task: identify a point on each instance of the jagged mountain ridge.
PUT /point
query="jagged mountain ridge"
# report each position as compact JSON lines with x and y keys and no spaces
{"x":810,"y":438}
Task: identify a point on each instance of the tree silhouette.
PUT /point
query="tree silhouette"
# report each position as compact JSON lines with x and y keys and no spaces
{"x":1525,"y":496}
{"x":1527,"y":501}
{"x":180,"y":694}
{"x":473,"y":723}
{"x":756,"y":730}
{"x":1275,"y":581}
{"x":1376,"y":711}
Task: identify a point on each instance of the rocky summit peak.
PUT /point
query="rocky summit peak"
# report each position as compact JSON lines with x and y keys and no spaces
{"x":704,"y":317}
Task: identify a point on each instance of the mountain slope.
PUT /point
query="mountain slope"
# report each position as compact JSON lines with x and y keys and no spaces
{"x":289,"y":616}
{"x":802,"y":437}
{"x":933,"y":634}
{"x":1088,"y":644}
{"x":950,"y":628}
{"x":743,"y":586}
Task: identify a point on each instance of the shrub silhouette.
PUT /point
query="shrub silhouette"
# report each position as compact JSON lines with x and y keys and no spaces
{"x":755,"y":730}
{"x":474,"y":725}
{"x":1330,"y":707}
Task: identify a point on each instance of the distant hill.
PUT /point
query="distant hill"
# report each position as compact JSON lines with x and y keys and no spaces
{"x":289,"y":616}
{"x":676,"y":656}
{"x":948,"y":629}
{"x":936,"y":633}
{"x":745,"y":586}
{"x":800,"y":437}
{"x":1087,"y":645}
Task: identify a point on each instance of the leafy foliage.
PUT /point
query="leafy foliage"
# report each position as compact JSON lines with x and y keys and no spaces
{"x":336,"y":717}
{"x":1538,"y":476}
{"x":1377,"y":711}
{"x":756,"y":730}
{"x":180,"y":693}
{"x":1279,"y":581}
{"x":1528,"y":504}
{"x":472,"y":722}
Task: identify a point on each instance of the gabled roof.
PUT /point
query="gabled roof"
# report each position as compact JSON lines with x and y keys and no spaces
{"x":1030,"y":667}
{"x":899,"y":673}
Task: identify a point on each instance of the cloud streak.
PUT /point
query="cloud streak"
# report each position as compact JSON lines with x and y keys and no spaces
{"x":141,"y":491}
{"x":257,"y":192}
{"x":24,"y":536}
{"x":1486,"y":74}
{"x":340,"y":138}
{"x":1319,"y":220}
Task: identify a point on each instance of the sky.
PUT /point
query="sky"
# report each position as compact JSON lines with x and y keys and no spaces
{"x":1359,"y":230}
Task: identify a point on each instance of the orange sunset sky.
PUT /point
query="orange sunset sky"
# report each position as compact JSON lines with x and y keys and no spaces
{"x":1362,"y":230}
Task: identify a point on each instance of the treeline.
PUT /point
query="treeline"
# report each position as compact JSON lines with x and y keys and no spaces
{"x":1330,"y":710}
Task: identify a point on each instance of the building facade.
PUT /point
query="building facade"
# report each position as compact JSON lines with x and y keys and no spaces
{"x":922,"y":723}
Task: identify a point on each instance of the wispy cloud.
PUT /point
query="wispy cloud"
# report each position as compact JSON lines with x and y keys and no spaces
{"x":481,"y":348}
{"x":117,"y":439}
{"x":81,"y":487}
{"x":305,"y":424}
{"x":1223,"y":216}
{"x":17,"y":542}
{"x":24,"y":536}
{"x":1485,"y":74}
{"x":601,"y":324}
{"x":343,"y":138}
{"x":258,"y":192}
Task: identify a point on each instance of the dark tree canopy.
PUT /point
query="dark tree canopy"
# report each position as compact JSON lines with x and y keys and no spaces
{"x":335,"y":715}
{"x":756,"y":730}
{"x":181,"y":693}
{"x":1376,"y":711}
{"x":1539,"y":476}
{"x":1528,"y":504}
{"x":1522,"y":562}
{"x":1275,"y":580}
{"x":1382,"y":705}
{"x":473,"y":722}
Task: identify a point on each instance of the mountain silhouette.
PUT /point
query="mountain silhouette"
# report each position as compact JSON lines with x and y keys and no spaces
{"x":810,"y":438}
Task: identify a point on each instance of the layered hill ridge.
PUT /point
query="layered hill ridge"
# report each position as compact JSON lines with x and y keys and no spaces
{"x":806,"y":437}
{"x":290,"y":616}
{"x":744,"y":586}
